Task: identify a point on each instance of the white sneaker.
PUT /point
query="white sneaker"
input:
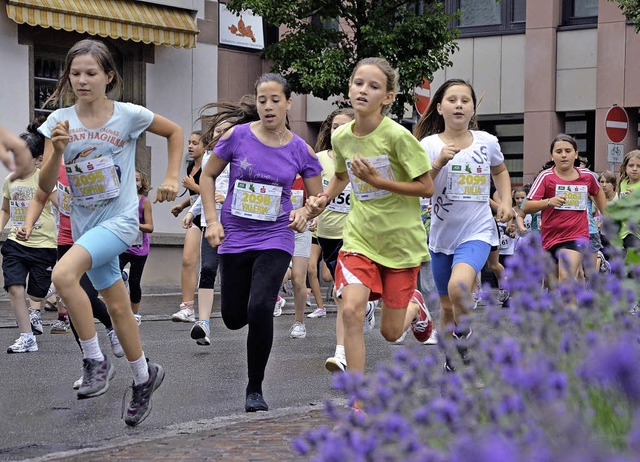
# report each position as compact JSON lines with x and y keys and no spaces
{"x":433,"y":338}
{"x":318,"y":313}
{"x":138,"y":318}
{"x":336,"y":364}
{"x":400,"y":341}
{"x":23,"y":344}
{"x":370,"y":317}
{"x":36,"y":322}
{"x":77,"y":384}
{"x":280,"y":303}
{"x":185,"y":314}
{"x":118,"y":352}
{"x":298,"y":330}
{"x":200,"y":333}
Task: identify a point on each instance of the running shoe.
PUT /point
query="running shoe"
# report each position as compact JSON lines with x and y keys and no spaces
{"x":462,"y":344}
{"x":125,"y":278}
{"x":184,"y":314}
{"x":60,"y":327}
{"x":95,"y":377}
{"x":336,"y":364}
{"x":48,"y":306}
{"x":116,"y":348}
{"x":298,"y":330}
{"x":280,"y":303}
{"x":422,"y":325}
{"x":433,"y":338}
{"x":138,"y":318}
{"x":318,"y":313}
{"x":503,"y":296}
{"x":370,"y":317}
{"x":255,"y":402}
{"x":140,"y":404}
{"x":36,"y":322}
{"x":287,"y":288}
{"x":23,"y":344}
{"x":200,"y":333}
{"x":77,"y":384}
{"x":605,"y":267}
{"x":400,"y":341}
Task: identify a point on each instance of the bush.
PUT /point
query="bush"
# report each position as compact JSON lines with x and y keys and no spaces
{"x":556,"y":376}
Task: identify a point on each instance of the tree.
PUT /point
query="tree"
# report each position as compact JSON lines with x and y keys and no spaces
{"x":324,"y":39}
{"x":631,"y":9}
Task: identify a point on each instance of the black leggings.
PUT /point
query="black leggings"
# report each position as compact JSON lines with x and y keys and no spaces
{"x":250,"y":282}
{"x":136,"y":268}
{"x":98,"y":307}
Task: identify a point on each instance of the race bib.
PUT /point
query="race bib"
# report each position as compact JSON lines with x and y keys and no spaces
{"x":575,"y":197}
{"x":467,"y":184}
{"x":342,"y":202}
{"x":296,"y":198}
{"x":363,"y":190}
{"x":64,"y":199}
{"x":256,"y":201}
{"x":18,"y":211}
{"x":93,"y":180}
{"x":506,"y":241}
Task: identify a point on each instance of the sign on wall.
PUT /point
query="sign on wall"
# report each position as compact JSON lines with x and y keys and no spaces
{"x":243,"y":30}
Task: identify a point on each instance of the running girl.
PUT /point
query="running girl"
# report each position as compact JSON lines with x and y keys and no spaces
{"x":629,"y":182}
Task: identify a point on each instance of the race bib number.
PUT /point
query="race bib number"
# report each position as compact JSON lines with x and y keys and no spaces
{"x":93,"y":180}
{"x":18,"y":211}
{"x":256,"y":201}
{"x":342,"y":202}
{"x":467,"y":184}
{"x":575,"y":197}
{"x":296,"y":198}
{"x":363,"y":190}
{"x":506,"y":242}
{"x":64,"y":199}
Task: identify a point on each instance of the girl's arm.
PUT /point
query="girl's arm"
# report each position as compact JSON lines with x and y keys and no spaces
{"x":601,"y":201}
{"x":5,"y":212}
{"x":502,"y":180}
{"x":53,"y":150}
{"x":36,"y":206}
{"x":520,"y":221}
{"x":531,"y":206}
{"x":13,"y":143}
{"x":421,"y":186}
{"x":315,"y":205}
{"x":176,"y":209}
{"x":215,"y":166}
{"x":161,"y":126}
{"x":147,"y":226}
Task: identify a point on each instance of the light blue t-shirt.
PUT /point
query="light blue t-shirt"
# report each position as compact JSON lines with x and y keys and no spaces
{"x":116,"y":141}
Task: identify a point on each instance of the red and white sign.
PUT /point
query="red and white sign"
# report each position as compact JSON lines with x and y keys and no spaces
{"x":423,"y":96}
{"x":616,"y":124}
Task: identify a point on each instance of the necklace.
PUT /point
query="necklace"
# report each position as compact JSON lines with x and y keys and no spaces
{"x":280,"y":135}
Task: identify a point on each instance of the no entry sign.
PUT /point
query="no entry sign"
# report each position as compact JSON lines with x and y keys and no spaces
{"x":423,"y":96}
{"x":616,"y":124}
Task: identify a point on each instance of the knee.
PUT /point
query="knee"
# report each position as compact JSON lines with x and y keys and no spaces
{"x":458,"y":291}
{"x":62,"y":278}
{"x":352,"y":316}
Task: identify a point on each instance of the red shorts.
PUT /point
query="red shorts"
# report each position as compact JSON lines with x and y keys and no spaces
{"x":394,"y":286}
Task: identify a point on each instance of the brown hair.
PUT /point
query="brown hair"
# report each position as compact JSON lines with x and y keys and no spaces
{"x":609,"y":177}
{"x":431,"y":122}
{"x":103,"y":57}
{"x":324,"y":135}
{"x":623,"y":166}
{"x":145,"y":185}
{"x":386,"y":68}
{"x":242,"y":112}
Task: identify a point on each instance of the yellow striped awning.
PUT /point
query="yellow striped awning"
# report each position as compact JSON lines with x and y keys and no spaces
{"x":124,"y":19}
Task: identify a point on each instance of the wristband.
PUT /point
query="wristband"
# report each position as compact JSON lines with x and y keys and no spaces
{"x":322,"y":194}
{"x":548,"y":203}
{"x":213,"y":223}
{"x":433,"y":166}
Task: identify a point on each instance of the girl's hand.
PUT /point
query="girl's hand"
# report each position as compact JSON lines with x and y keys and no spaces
{"x":167,"y":191}
{"x":557,"y":201}
{"x":511,"y":230}
{"x":315,"y":205}
{"x":189,"y":183}
{"x":176,"y":210}
{"x":187,"y":221}
{"x":298,"y":220}
{"x":23,"y":233}
{"x":363,"y":169}
{"x":214,"y":234}
{"x":447,"y":153}
{"x":504,"y":213}
{"x":220,"y":197}
{"x":522,"y":230}
{"x":313,"y":226}
{"x":60,"y":136}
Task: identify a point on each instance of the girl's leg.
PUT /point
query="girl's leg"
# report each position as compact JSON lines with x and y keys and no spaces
{"x":208,"y":268}
{"x":493,"y":262}
{"x":314,"y":258}
{"x":20,"y":309}
{"x":460,"y":285}
{"x":395,"y":321}
{"x":190,"y":256}
{"x":354,"y":302}
{"x":135,"y":280}
{"x":125,"y":325}
{"x":298,"y":279}
{"x":569,"y":262}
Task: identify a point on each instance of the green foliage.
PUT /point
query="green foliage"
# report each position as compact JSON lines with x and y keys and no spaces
{"x":318,"y":56}
{"x":631,"y":9}
{"x":625,"y":212}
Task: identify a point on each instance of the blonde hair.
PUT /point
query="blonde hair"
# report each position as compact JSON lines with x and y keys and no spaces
{"x":390,"y":73}
{"x":623,"y":166}
{"x":145,"y":185}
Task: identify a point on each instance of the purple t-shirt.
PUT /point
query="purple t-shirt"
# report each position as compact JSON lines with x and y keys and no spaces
{"x":141,"y":246}
{"x":252,"y":161}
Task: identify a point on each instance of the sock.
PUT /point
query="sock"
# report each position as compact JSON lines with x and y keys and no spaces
{"x":91,"y":349}
{"x":62,"y":316}
{"x":340,"y":352}
{"x":205,"y":321}
{"x":278,"y":299}
{"x":140,"y":370}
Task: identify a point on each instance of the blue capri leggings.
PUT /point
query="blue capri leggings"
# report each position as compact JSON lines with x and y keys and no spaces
{"x":104,"y":248}
{"x":473,"y":253}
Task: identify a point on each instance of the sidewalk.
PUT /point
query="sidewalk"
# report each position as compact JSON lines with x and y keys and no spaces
{"x":264,"y":436}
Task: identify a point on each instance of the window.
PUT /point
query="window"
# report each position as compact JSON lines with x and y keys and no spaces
{"x":510,"y":133}
{"x":582,"y":126}
{"x":580,"y":12}
{"x":489,"y":17}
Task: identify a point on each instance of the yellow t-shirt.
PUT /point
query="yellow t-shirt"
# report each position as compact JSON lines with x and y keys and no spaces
{"x":19,"y":194}
{"x":383,"y":226}
{"x":330,"y":222}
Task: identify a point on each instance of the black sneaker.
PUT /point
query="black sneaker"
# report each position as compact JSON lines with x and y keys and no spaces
{"x":255,"y":402}
{"x":140,"y":404}
{"x":462,"y":345}
{"x":95,"y":377}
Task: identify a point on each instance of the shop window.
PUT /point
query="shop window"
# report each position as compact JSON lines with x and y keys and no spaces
{"x":47,"y":68}
{"x":488,"y":17}
{"x":580,"y":12}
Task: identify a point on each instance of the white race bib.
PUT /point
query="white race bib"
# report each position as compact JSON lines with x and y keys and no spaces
{"x":342,"y":202}
{"x":93,"y":180}
{"x":256,"y":201}
{"x":465,"y":183}
{"x":363,"y":190}
{"x":18,"y":212}
{"x":64,"y":199}
{"x":575,"y":197}
{"x":296,"y":198}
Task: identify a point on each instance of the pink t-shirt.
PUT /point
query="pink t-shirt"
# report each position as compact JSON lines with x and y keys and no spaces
{"x":563,"y":225}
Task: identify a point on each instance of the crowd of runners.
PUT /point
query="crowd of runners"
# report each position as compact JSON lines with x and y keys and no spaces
{"x":397,"y":222}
